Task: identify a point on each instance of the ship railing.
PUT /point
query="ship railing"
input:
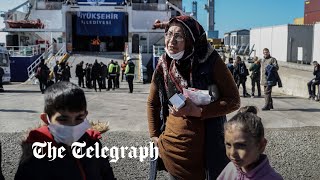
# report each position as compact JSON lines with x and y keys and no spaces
{"x":31,"y":50}
{"x":51,"y":61}
{"x":48,"y":5}
{"x":158,"y":50}
{"x":34,"y":64}
{"x":149,"y":6}
{"x":50,"y":57}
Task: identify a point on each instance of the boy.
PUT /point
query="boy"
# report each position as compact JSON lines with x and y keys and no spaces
{"x":65,"y":113}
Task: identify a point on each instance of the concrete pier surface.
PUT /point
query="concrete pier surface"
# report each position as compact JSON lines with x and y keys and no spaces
{"x":292,"y":128}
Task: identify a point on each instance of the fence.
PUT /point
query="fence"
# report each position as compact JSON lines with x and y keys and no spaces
{"x":26,"y":50}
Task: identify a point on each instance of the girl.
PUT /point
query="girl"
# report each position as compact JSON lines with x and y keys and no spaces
{"x":245,"y":143}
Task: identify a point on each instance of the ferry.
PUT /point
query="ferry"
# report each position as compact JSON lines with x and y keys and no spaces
{"x":76,"y":26}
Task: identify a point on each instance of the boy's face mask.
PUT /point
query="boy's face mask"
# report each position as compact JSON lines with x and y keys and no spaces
{"x":68,"y":134}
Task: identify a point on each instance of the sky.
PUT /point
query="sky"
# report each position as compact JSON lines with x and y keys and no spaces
{"x":245,"y":14}
{"x":231,"y":14}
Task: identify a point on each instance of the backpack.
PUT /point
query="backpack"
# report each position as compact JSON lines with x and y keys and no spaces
{"x":243,"y":71}
{"x":114,"y":69}
{"x":131,"y":68}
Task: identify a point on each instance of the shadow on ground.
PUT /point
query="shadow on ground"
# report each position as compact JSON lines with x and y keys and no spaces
{"x":18,"y":110}
{"x":298,"y":109}
{"x":21,"y":91}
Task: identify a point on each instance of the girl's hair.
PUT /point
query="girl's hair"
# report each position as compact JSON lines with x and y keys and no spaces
{"x":248,"y":121}
{"x":64,"y":96}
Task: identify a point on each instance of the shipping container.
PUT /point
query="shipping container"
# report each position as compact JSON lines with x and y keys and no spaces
{"x":311,"y":6}
{"x":287,"y":43}
{"x":311,"y":11}
{"x":312,"y":18}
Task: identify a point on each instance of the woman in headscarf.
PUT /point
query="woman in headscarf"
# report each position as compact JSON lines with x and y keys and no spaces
{"x":190,"y":140}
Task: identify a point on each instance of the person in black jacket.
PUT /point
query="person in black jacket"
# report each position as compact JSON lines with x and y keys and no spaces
{"x":68,"y":71}
{"x":104,"y":73}
{"x":96,"y":75}
{"x":240,"y":74}
{"x":64,"y":72}
{"x":55,"y":72}
{"x":42,"y":73}
{"x":65,"y":112}
{"x":255,"y":76}
{"x":315,"y":81}
{"x":80,"y":74}
{"x":87,"y":70}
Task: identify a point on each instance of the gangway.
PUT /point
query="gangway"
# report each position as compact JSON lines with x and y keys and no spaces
{"x":51,"y":58}
{"x":35,"y":63}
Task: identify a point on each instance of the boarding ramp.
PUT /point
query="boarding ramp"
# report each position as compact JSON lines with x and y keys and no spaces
{"x":50,"y":59}
{"x":34,"y":64}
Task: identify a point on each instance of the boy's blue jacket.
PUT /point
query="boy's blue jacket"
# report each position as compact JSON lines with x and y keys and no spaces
{"x":66,"y":168}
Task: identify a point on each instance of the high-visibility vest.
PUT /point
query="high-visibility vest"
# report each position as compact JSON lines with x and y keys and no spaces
{"x":113,"y":68}
{"x":130,"y":69}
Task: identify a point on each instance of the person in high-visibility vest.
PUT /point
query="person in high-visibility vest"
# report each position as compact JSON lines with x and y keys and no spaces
{"x":112,"y":71}
{"x":130,"y":74}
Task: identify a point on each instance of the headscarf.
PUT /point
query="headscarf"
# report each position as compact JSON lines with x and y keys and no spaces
{"x":196,"y":38}
{"x":178,"y":74}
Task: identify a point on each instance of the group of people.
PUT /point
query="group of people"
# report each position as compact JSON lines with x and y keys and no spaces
{"x":93,"y":74}
{"x":97,"y":73}
{"x":61,"y":72}
{"x":88,"y":76}
{"x":263,"y":72}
